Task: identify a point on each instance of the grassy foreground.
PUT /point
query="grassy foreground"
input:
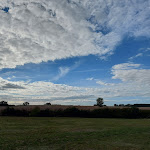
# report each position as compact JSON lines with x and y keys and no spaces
{"x":20,"y":133}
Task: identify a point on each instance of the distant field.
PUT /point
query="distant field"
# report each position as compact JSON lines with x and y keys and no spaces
{"x":56,"y":107}
{"x":21,"y":133}
{"x":51,"y":107}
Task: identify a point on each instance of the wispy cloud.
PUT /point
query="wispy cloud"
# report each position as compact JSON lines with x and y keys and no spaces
{"x":100,"y":82}
{"x":104,"y":83}
{"x":125,"y":66}
{"x":138,"y":55}
{"x":90,"y":70}
{"x":63,"y":71}
{"x":143,"y":52}
{"x":144,"y":49}
{"x":90,"y":79}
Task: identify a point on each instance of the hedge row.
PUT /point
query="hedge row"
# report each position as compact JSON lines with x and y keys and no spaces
{"x":132,"y":112}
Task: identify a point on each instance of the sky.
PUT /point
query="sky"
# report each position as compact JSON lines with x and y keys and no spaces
{"x":71,"y":52}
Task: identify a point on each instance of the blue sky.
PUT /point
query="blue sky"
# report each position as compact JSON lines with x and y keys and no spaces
{"x":86,"y":50}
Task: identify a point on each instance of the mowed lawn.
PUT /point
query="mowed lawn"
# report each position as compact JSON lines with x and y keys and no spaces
{"x":22,"y":133}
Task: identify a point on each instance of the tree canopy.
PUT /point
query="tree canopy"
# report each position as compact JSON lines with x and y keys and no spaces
{"x":26,"y":103}
{"x":100,"y":101}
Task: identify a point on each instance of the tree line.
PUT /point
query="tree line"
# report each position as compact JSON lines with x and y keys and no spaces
{"x":132,"y":112}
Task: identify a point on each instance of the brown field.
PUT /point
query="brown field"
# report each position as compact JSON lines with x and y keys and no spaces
{"x":144,"y":108}
{"x":51,"y":107}
{"x":56,"y":107}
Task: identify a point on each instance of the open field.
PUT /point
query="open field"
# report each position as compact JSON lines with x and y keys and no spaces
{"x":27,"y":133}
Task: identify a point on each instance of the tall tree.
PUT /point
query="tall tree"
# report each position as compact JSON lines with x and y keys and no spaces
{"x":100,"y":101}
{"x":26,"y":103}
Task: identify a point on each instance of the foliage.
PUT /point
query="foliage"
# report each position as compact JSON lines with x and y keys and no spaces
{"x":3,"y":103}
{"x":48,"y":104}
{"x":107,"y":112}
{"x":26,"y":103}
{"x":100,"y":102}
{"x":14,"y":112}
{"x":35,"y":112}
{"x":71,"y":112}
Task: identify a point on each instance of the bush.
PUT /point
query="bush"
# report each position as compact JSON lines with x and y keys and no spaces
{"x":35,"y":112}
{"x":132,"y":112}
{"x":144,"y":113}
{"x":71,"y":112}
{"x":14,"y":112}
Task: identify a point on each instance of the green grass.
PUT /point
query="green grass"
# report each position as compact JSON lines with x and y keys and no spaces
{"x":18,"y":133}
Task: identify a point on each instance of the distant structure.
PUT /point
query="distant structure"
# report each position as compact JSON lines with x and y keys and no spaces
{"x":141,"y":105}
{"x":134,"y":105}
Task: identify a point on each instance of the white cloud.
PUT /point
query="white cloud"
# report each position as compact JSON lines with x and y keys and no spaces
{"x":138,"y":55}
{"x":90,"y":79}
{"x":41,"y":30}
{"x":125,"y":66}
{"x":101,"y":82}
{"x":148,"y":49}
{"x":104,"y":83}
{"x":144,"y":49}
{"x":90,"y":70}
{"x":62,"y":72}
{"x":130,"y":72}
{"x":42,"y":92}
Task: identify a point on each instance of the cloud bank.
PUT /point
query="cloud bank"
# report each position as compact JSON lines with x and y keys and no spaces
{"x":135,"y":83}
{"x":132,"y":73}
{"x":40,"y":30}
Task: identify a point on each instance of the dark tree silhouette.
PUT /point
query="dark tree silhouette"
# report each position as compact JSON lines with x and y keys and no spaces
{"x":100,"y":101}
{"x":26,"y":103}
{"x":48,"y":104}
{"x":3,"y":103}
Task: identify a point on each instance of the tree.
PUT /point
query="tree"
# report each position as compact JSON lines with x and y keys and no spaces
{"x":48,"y":104}
{"x":3,"y":103}
{"x":26,"y":103}
{"x":100,"y":101}
{"x":35,"y":112}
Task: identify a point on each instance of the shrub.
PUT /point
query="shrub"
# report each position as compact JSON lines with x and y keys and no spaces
{"x":71,"y":112}
{"x":132,"y":112}
{"x":35,"y":112}
{"x":14,"y":112}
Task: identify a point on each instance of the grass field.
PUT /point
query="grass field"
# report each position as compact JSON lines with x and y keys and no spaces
{"x":18,"y":133}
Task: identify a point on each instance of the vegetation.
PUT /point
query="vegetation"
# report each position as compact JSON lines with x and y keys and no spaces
{"x":100,"y":102}
{"x":28,"y":133}
{"x":48,"y":104}
{"x":3,"y":103}
{"x":26,"y":103}
{"x":104,"y":112}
